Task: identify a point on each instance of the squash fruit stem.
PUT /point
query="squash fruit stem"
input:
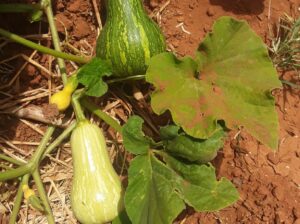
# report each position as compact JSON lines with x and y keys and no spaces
{"x":76,"y":105}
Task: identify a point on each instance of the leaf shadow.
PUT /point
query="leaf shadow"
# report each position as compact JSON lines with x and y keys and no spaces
{"x":241,"y":7}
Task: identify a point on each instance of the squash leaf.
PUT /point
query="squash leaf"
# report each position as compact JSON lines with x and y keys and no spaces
{"x":192,"y":149}
{"x":230,"y":79}
{"x":134,"y":139}
{"x":90,"y":75}
{"x":150,"y":197}
{"x":169,"y":132}
{"x":199,"y":187}
{"x":160,"y":192}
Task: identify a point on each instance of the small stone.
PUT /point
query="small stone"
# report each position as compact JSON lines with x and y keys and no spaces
{"x":210,"y":12}
{"x":237,"y":173}
{"x":153,"y":4}
{"x":62,"y":23}
{"x":175,"y":43}
{"x":263,"y":190}
{"x":283,"y":169}
{"x":237,"y":181}
{"x":272,"y":157}
{"x":281,"y":217}
{"x":296,"y":212}
{"x":249,"y":160}
{"x":180,"y":19}
{"x":31,"y":70}
{"x":179,"y":13}
{"x":278,"y":193}
{"x":60,"y":6}
{"x":82,"y":28}
{"x":74,"y":6}
{"x":297,"y":221}
{"x":191,"y":6}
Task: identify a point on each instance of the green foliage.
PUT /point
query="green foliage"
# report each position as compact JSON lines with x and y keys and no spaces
{"x":160,"y":188}
{"x":122,"y":218}
{"x":134,"y":139}
{"x":150,"y":197}
{"x":230,"y":79}
{"x":91,"y":76}
{"x":199,"y":187}
{"x":192,"y":149}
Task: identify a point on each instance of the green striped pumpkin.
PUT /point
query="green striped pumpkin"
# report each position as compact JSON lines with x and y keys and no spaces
{"x":129,"y":38}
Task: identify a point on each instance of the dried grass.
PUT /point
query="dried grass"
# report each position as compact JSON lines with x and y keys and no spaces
{"x":285,"y":44}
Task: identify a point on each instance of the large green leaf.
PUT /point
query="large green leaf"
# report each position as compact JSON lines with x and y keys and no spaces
{"x":134,"y":139}
{"x":156,"y":192}
{"x":236,"y":77}
{"x":150,"y":197}
{"x":192,"y":149}
{"x":199,"y":186}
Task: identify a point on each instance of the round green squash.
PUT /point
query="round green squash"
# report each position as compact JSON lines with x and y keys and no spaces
{"x":129,"y":38}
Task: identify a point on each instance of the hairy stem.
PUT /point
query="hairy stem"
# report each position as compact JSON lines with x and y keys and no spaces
{"x":106,"y":118}
{"x":40,"y":48}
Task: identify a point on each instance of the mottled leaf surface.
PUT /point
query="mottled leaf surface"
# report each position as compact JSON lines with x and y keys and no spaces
{"x":91,"y":76}
{"x":230,"y":79}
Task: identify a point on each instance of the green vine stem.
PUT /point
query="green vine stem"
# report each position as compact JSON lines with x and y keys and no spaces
{"x":41,"y":190}
{"x":106,"y":118}
{"x":40,"y":153}
{"x":130,"y":78}
{"x":17,"y":204}
{"x":11,"y":160}
{"x":14,"y":173}
{"x":22,"y":170}
{"x":42,"y":49}
{"x":49,"y":149}
{"x":18,"y":8}
{"x":59,"y":139}
{"x":41,"y":148}
{"x":56,"y":41}
{"x":37,"y":179}
{"x":43,"y":196}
